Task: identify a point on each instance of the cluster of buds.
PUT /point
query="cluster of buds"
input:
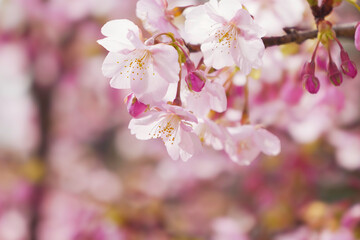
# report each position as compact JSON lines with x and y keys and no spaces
{"x":327,"y":36}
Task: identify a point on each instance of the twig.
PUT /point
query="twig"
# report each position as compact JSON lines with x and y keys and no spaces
{"x":342,"y":30}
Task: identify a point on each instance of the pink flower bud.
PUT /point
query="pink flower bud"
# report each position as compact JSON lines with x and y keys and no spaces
{"x":334,"y":74}
{"x":308,"y":68}
{"x":357,"y":37}
{"x":195,"y":81}
{"x":311,"y":83}
{"x":348,"y":67}
{"x":134,"y":106}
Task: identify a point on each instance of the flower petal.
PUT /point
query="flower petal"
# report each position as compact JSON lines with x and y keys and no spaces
{"x":162,"y":56}
{"x":218,"y":100}
{"x":228,"y":8}
{"x":116,"y":32}
{"x":267,"y":142}
{"x":112,"y":68}
{"x":217,"y":53}
{"x":248,"y":54}
{"x":189,"y":143}
{"x":198,"y":24}
{"x":143,"y":127}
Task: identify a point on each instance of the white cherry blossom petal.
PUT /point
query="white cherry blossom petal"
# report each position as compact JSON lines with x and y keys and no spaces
{"x":267,"y":142}
{"x":144,"y":126}
{"x":218,"y":49}
{"x":198,"y":24}
{"x":218,"y":100}
{"x":162,"y":56}
{"x":228,"y":8}
{"x":116,"y":32}
{"x":189,"y":143}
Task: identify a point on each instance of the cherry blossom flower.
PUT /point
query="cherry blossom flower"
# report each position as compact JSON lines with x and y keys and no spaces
{"x":173,"y":125}
{"x":133,"y":65}
{"x":155,"y":16}
{"x":211,"y":97}
{"x":212,"y":134}
{"x":248,"y":141}
{"x":158,"y":16}
{"x":227,"y":33}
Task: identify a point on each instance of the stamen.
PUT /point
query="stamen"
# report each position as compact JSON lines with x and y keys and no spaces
{"x":166,"y":129}
{"x":137,"y":64}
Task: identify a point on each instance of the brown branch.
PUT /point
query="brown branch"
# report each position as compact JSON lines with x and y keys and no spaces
{"x":341,"y":30}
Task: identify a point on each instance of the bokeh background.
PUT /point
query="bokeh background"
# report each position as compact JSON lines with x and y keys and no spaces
{"x":70,"y":170}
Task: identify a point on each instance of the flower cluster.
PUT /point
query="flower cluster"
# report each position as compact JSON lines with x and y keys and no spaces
{"x":327,"y":38}
{"x":181,"y":96}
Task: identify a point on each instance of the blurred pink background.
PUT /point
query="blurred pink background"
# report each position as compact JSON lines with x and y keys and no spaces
{"x":71,"y":170}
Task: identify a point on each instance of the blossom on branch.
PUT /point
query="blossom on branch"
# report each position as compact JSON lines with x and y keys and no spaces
{"x":131,"y":64}
{"x":173,"y":125}
{"x":248,"y":141}
{"x":227,"y":33}
{"x":158,"y":16}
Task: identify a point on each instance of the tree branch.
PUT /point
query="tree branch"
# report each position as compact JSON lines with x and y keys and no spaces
{"x":342,"y":30}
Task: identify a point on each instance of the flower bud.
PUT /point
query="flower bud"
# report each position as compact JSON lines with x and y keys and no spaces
{"x":311,"y":83}
{"x":348,"y":67}
{"x":357,"y":36}
{"x":195,"y":81}
{"x":134,"y":106}
{"x":308,"y":68}
{"x":334,"y":74}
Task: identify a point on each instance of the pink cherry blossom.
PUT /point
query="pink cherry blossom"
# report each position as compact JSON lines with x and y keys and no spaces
{"x":212,"y":134}
{"x":155,"y":16}
{"x":159,"y":16}
{"x":227,"y":33}
{"x":248,"y":141}
{"x":211,"y":97}
{"x":133,"y":65}
{"x":173,"y":125}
